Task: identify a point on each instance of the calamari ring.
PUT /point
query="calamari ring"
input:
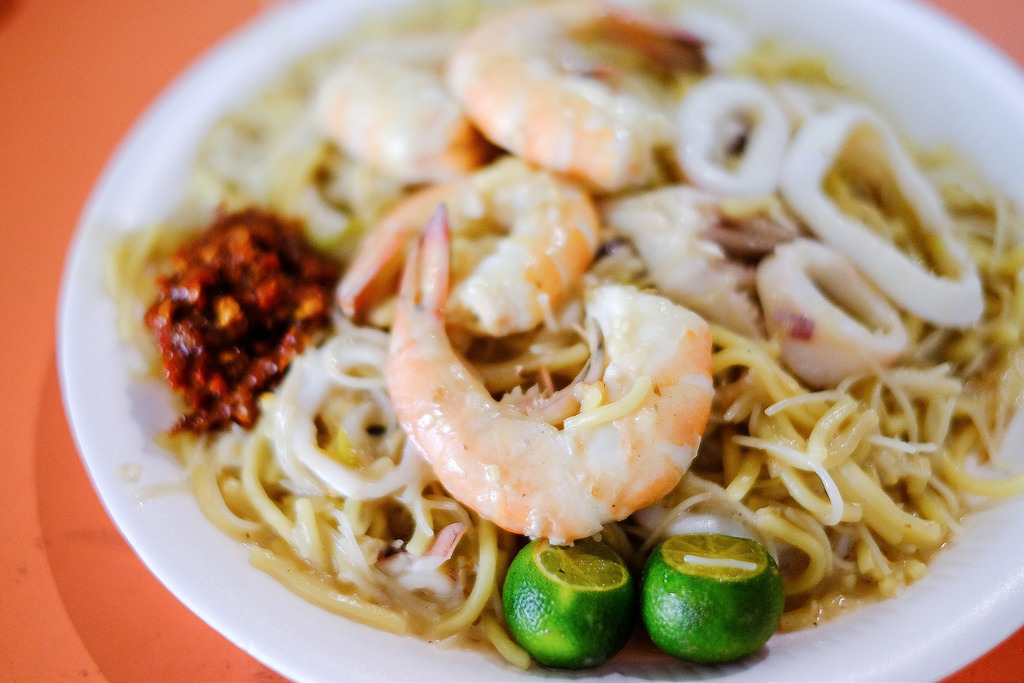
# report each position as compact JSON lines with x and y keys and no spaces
{"x":716,"y":114}
{"x":950,"y":298}
{"x":830,"y":322}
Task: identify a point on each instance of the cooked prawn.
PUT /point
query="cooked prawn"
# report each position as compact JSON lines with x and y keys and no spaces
{"x":509,"y":283}
{"x":532,"y":82}
{"x":635,"y":435}
{"x":387,"y":106}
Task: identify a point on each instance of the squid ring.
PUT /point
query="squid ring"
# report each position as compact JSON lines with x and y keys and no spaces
{"x":950,"y":298}
{"x":829,"y":320}
{"x":720,"y":113}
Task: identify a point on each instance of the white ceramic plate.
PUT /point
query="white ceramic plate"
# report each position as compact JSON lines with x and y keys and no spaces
{"x":940,"y":83}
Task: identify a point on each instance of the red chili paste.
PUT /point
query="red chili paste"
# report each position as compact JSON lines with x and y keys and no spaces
{"x":240,"y":301}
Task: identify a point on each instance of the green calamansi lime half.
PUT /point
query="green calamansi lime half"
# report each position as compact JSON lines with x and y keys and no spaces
{"x":711,"y":598}
{"x":570,"y":607}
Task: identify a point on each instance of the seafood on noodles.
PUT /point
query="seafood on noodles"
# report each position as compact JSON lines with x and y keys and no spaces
{"x":604,"y":272}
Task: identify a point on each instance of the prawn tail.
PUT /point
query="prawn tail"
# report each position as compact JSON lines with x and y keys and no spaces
{"x":375,"y":271}
{"x":425,"y":280}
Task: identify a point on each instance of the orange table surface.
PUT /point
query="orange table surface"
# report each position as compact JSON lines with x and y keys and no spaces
{"x":75,"y":602}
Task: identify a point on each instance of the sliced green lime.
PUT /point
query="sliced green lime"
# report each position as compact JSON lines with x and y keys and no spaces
{"x":570,"y":607}
{"x":585,"y":565}
{"x":711,"y":598}
{"x":714,"y":556}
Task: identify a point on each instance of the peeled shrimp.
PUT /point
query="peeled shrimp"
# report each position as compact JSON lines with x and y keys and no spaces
{"x":636,"y":434}
{"x":733,"y":134}
{"x":552,"y":238}
{"x":947,"y":294}
{"x":525,"y":78}
{"x":679,"y":232}
{"x":830,"y":322}
{"x":388,"y":106}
